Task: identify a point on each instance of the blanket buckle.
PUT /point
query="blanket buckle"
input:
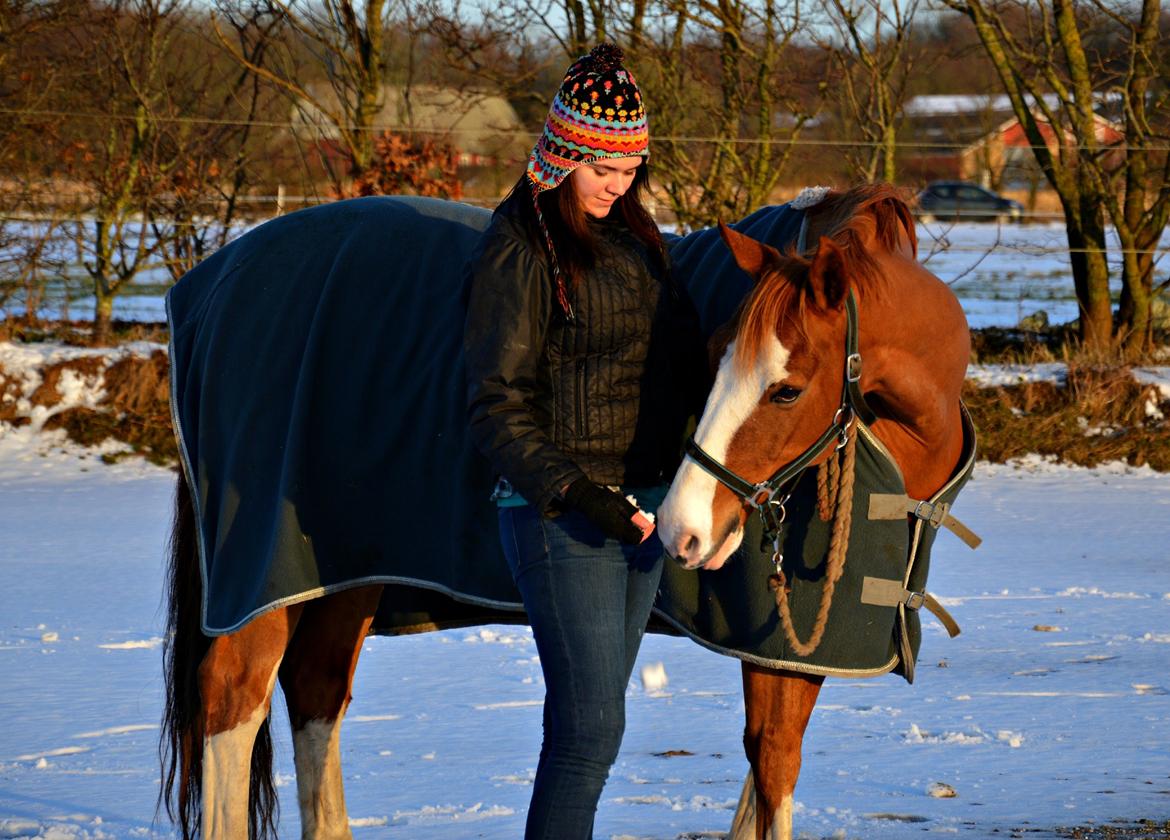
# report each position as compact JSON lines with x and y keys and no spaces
{"x":935,"y":514}
{"x":915,"y":600}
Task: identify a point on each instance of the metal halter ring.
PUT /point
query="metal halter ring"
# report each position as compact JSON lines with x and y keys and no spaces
{"x":843,"y":419}
{"x":762,"y":494}
{"x":778,"y":518}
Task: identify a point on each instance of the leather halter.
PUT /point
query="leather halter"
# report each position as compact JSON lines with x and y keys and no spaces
{"x":763,"y":495}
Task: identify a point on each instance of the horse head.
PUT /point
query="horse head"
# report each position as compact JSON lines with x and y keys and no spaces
{"x":782,"y":393}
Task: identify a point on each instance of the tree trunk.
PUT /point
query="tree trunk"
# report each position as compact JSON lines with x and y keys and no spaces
{"x":103,"y":314}
{"x":1091,"y":280}
{"x":1137,"y":297}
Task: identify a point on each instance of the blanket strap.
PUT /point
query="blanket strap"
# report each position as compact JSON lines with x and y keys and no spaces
{"x":880,"y":592}
{"x":896,"y":506}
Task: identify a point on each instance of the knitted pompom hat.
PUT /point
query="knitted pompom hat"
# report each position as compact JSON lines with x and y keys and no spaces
{"x":597,"y":113}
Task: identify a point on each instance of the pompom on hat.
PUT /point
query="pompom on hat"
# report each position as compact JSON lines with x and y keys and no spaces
{"x":597,"y":113}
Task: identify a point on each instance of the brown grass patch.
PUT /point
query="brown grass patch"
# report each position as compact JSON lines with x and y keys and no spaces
{"x":1016,"y":346}
{"x":48,"y":394}
{"x":79,"y":333}
{"x":135,"y":408}
{"x":9,"y":394}
{"x":140,"y":385}
{"x":153,"y":441}
{"x":1012,"y":345}
{"x":1099,"y":416}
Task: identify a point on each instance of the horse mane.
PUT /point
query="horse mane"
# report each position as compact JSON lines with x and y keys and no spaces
{"x":866,"y":212}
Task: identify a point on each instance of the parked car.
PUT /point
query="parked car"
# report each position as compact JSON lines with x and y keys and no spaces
{"x":966,"y":201}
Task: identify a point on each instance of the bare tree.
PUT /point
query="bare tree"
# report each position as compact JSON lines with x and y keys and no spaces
{"x":1138,"y":197}
{"x":346,"y":43}
{"x":28,"y":235}
{"x":202,"y":203}
{"x":725,"y":83}
{"x":139,"y":142}
{"x":876,"y":57}
{"x":730,"y":73}
{"x":1048,"y":60}
{"x":511,"y":48}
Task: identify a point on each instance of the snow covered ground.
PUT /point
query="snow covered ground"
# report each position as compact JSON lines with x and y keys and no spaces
{"x":1051,"y":709}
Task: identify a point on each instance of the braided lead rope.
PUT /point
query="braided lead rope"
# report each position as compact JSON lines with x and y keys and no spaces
{"x":828,"y":487}
{"x":558,"y":277}
{"x":835,"y":563}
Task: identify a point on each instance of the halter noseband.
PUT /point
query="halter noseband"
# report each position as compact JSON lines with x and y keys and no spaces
{"x":762,"y":496}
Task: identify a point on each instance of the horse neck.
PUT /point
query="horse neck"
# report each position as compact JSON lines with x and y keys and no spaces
{"x":915,"y":346}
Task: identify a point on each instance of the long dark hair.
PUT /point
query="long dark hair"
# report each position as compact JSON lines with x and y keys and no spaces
{"x":568,"y":224}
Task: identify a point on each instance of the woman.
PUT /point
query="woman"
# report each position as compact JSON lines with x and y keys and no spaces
{"x":583,"y":362}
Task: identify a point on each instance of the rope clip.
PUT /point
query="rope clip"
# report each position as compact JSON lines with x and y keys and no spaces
{"x":843,"y":419}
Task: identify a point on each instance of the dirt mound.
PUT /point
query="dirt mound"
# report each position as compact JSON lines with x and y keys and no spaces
{"x":93,"y":395}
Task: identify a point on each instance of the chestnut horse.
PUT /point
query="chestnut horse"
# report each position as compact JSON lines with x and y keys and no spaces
{"x":779,"y":382}
{"x":782,"y":371}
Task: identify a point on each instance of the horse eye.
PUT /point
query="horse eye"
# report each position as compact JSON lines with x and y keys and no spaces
{"x":785,"y":394}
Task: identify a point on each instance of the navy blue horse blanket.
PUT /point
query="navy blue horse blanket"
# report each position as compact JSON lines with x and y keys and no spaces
{"x":318,"y":396}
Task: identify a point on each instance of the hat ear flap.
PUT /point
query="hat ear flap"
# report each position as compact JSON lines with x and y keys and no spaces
{"x":753,"y":257}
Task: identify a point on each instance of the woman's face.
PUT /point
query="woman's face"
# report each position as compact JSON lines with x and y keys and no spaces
{"x":599,"y":184}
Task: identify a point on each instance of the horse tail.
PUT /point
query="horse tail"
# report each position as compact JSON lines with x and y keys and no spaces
{"x":181,"y":741}
{"x":263,"y":805}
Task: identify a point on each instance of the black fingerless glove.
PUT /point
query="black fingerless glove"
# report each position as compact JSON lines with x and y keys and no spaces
{"x":611,"y":513}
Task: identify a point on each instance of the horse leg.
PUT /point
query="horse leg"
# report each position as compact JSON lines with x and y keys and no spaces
{"x":316,"y":676}
{"x":778,"y":705}
{"x":236,"y":678}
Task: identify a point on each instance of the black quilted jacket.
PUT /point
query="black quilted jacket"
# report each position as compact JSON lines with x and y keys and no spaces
{"x":607,"y":395}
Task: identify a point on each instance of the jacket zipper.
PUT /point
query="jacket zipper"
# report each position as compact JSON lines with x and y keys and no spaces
{"x":580,"y":400}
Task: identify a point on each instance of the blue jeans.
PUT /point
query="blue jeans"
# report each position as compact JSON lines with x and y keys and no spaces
{"x":588,"y":599}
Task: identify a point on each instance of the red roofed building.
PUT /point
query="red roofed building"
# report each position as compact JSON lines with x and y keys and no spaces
{"x":979,"y":139}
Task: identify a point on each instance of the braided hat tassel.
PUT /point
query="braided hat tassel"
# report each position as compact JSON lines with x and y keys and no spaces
{"x":558,"y":278}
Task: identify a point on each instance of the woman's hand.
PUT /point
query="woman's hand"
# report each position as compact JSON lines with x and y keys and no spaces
{"x":613,"y":515}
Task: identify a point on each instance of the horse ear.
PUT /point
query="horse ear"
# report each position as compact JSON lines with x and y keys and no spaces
{"x":826,"y":275}
{"x":750,"y":255}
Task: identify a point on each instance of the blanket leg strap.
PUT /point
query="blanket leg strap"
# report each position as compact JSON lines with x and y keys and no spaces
{"x":896,"y":506}
{"x":880,"y":592}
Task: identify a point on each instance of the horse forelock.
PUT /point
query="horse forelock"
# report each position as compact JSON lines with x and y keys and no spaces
{"x":775,"y":302}
{"x":852,"y":219}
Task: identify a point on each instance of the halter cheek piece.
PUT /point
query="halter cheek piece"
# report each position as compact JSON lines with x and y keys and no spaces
{"x":766,"y":496}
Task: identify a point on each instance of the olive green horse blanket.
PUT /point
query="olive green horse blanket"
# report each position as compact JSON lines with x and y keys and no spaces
{"x":317,"y":393}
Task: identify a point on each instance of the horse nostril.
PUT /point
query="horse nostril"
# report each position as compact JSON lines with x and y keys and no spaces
{"x":692,"y":546}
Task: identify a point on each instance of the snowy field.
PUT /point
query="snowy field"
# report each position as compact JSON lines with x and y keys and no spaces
{"x":1001,"y":273}
{"x":1051,"y":709}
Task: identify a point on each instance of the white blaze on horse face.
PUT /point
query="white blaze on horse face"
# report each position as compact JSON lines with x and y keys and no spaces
{"x":686,"y":515}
